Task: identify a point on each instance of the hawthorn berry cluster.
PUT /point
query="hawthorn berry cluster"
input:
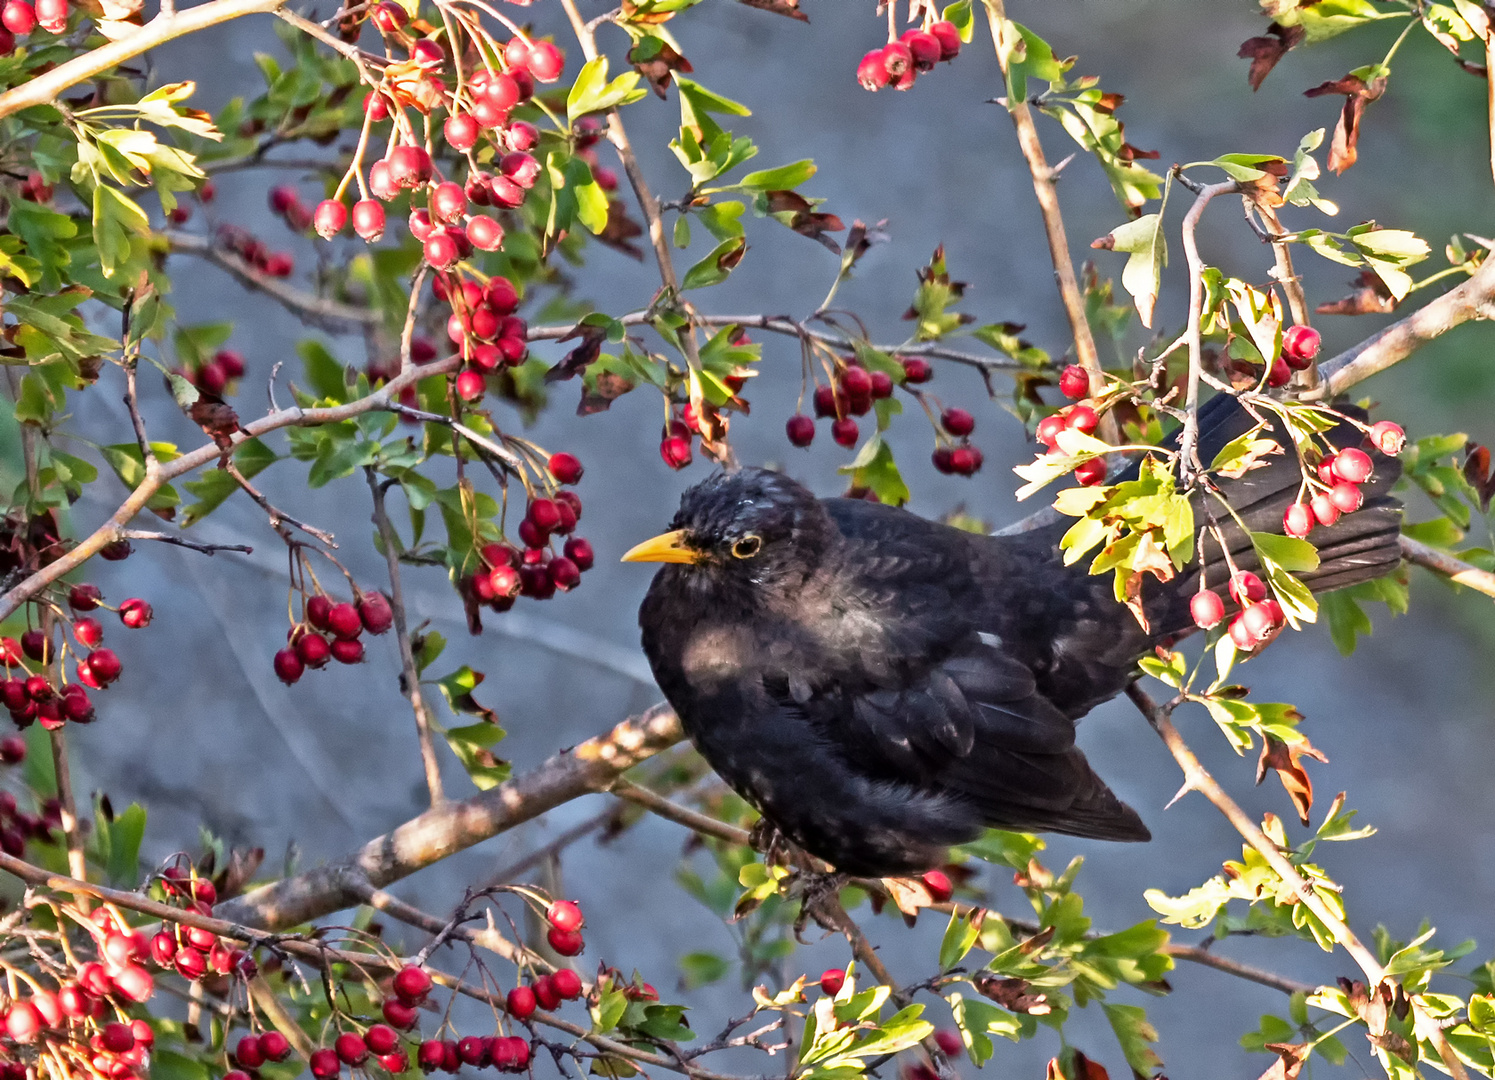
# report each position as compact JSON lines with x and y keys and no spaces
{"x":483,"y":325}
{"x":18,"y":18}
{"x":1300,"y":344}
{"x":254,"y":251}
{"x":217,"y":375}
{"x":1079,"y":417}
{"x":898,"y":63}
{"x":536,"y":570}
{"x":330,"y":630}
{"x":31,"y":693}
{"x":1338,"y":480}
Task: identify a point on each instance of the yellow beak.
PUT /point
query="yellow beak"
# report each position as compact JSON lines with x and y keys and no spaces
{"x":670,"y":547}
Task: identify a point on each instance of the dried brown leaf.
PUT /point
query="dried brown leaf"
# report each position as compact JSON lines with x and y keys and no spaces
{"x":1285,"y":759}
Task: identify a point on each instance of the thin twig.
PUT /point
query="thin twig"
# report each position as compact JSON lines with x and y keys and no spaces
{"x":555,"y":847}
{"x":1053,"y":219}
{"x":409,"y":675}
{"x":1196,"y":955}
{"x":168,"y":538}
{"x":1456,"y":570}
{"x":331,"y":315}
{"x":1189,"y":441}
{"x":275,"y":514}
{"x":680,"y":815}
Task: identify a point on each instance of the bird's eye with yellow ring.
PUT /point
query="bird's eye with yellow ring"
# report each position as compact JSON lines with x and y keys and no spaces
{"x":747,"y":547}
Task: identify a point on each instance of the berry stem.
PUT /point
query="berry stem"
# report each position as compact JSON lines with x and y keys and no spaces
{"x":409,"y":676}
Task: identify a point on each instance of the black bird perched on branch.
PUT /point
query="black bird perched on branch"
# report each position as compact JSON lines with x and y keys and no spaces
{"x":881,"y":687}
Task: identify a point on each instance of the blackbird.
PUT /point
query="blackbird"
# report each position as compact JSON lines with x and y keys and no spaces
{"x":881,"y":687}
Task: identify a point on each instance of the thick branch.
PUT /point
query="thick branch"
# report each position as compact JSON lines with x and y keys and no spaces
{"x":165,"y":27}
{"x":1474,"y":299}
{"x":1048,"y":203}
{"x":593,"y":766}
{"x":330,"y":315}
{"x":1456,"y":570}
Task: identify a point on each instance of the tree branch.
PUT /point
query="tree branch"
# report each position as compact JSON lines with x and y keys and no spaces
{"x":1048,"y":204}
{"x":590,"y":767}
{"x":1474,"y":299}
{"x":1189,"y":440}
{"x":1456,"y":570}
{"x":680,"y":815}
{"x":409,"y":676}
{"x":163,"y":28}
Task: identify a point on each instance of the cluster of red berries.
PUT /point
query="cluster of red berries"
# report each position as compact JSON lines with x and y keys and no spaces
{"x":19,"y":17}
{"x":192,"y":952}
{"x":1341,"y":475}
{"x":852,"y":395}
{"x":483,"y":325}
{"x":243,"y":243}
{"x":676,"y":442}
{"x":445,"y":226}
{"x":898,"y":63}
{"x":215,"y":376}
{"x":1300,"y":344}
{"x":1258,"y":619}
{"x":17,"y":827}
{"x":962,"y":459}
{"x":1078,"y":417}
{"x":535,"y":570}
{"x":330,"y":631}
{"x":182,"y":212}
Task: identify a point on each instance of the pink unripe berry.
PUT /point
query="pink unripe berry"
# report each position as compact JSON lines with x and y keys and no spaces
{"x":1352,"y":465}
{"x":368,"y":220}
{"x":1387,"y":437}
{"x":412,"y":984}
{"x":1324,"y":509}
{"x":1207,"y":609}
{"x":329,"y":219}
{"x":1246,"y":588}
{"x":485,"y":233}
{"x":461,"y":131}
{"x":1300,"y":344}
{"x":872,"y":72}
{"x":1297,"y":520}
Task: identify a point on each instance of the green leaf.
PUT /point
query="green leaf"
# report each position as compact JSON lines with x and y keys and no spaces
{"x":960,"y":935}
{"x":976,"y":1020}
{"x":1438,"y":533}
{"x":723,"y":219}
{"x":471,"y":744}
{"x":1134,"y":1033}
{"x":960,"y":15}
{"x":116,"y":217}
{"x":875,"y":469}
{"x":1292,"y":554}
{"x":1244,"y":167}
{"x":126,"y":832}
{"x":1146,"y":245}
{"x":784,"y":178}
{"x":325,"y":374}
{"x":592,"y":93}
{"x":702,"y":969}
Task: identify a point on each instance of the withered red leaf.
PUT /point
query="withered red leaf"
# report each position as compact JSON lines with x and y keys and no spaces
{"x":1290,"y":1058}
{"x":1358,"y":93}
{"x":620,"y":230}
{"x":1477,"y":471}
{"x":656,"y":61}
{"x":1285,"y":759}
{"x":1265,"y":51}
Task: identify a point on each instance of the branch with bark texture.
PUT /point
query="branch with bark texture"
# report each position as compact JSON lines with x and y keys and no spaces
{"x":1198,"y":778}
{"x":1440,"y":562}
{"x":593,"y":766}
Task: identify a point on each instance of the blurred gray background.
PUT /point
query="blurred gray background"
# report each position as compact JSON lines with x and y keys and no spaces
{"x":200,"y":731}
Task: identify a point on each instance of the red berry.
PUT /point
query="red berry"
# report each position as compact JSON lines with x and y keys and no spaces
{"x":347,"y":651}
{"x":37,"y":646}
{"x":275,"y":1046}
{"x":567,"y":983}
{"x":368,"y":219}
{"x":1091,"y":473}
{"x":564,"y":573}
{"x":675,"y":451}
{"x":19,"y":17}
{"x":1300,"y":344}
{"x":856,"y":382}
{"x":882,"y":385}
{"x":1207,"y":609}
{"x":412,"y":984}
{"x":497,"y":88}
{"x":1074,"y":382}
{"x":375,"y":612}
{"x":421,"y":225}
{"x":116,"y":551}
{"x":800,"y":429}
{"x":343,"y":620}
{"x":1387,"y":437}
{"x":12,"y":750}
{"x":135,"y":613}
{"x":916,"y":370}
{"x":898,"y":59}
{"x":1261,"y":618}
{"x":545,"y":61}
{"x":84,"y":597}
{"x":134,"y":983}
{"x":502,"y":296}
{"x":565,"y":942}
{"x":845,"y":431}
{"x":831,"y":980}
{"x":1081,"y":418}
{"x":441,"y":250}
{"x":521,"y":168}
{"x":24,"y":1022}
{"x":380,"y":1039}
{"x":448,"y":202}
{"x":104,"y":665}
{"x":1352,"y":465}
{"x":88,"y":632}
{"x":522,"y":136}
{"x":872,"y":73}
{"x":948,"y":35}
{"x":317,"y":608}
{"x":325,"y":1064}
{"x":376,"y":105}
{"x":282,"y":198}
{"x":190,"y":963}
{"x":351,"y":1048}
{"x":1324,"y":509}
{"x":521,"y":1002}
{"x":329,"y":219}
{"x":1241,"y":635}
{"x":473,"y":1050}
{"x":958,"y":422}
{"x":1297,"y":520}
{"x":313,"y":650}
{"x":289,"y":666}
{"x":546,"y":993}
{"x":389,"y":16}
{"x":566,"y":468}
{"x":938,"y":884}
{"x":925,"y":47}
{"x":565,"y":915}
{"x":1049,"y":428}
{"x":944,"y":459}
{"x":1246,"y":588}
{"x":248,"y":1054}
{"x":966,"y":460}
{"x":1280,"y":373}
{"x":461,"y":131}
{"x":409,"y":166}
{"x":430,"y":1055}
{"x":399,"y":1015}
{"x":485,"y":233}
{"x":230,"y":362}
{"x":1346,"y":497}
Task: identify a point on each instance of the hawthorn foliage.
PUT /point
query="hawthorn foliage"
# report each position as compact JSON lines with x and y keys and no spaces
{"x":463,"y":169}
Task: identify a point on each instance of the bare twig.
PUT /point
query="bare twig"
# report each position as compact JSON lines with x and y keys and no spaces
{"x":593,"y":766}
{"x":1474,"y":299}
{"x":1196,"y":955}
{"x":157,"y":474}
{"x":165,"y":27}
{"x":549,"y":851}
{"x":178,"y":541}
{"x":1456,"y":570}
{"x":1197,"y":778}
{"x":1053,"y":220}
{"x":275,"y":514}
{"x":1190,"y":439}
{"x":409,"y":676}
{"x":680,"y":815}
{"x":331,"y":315}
